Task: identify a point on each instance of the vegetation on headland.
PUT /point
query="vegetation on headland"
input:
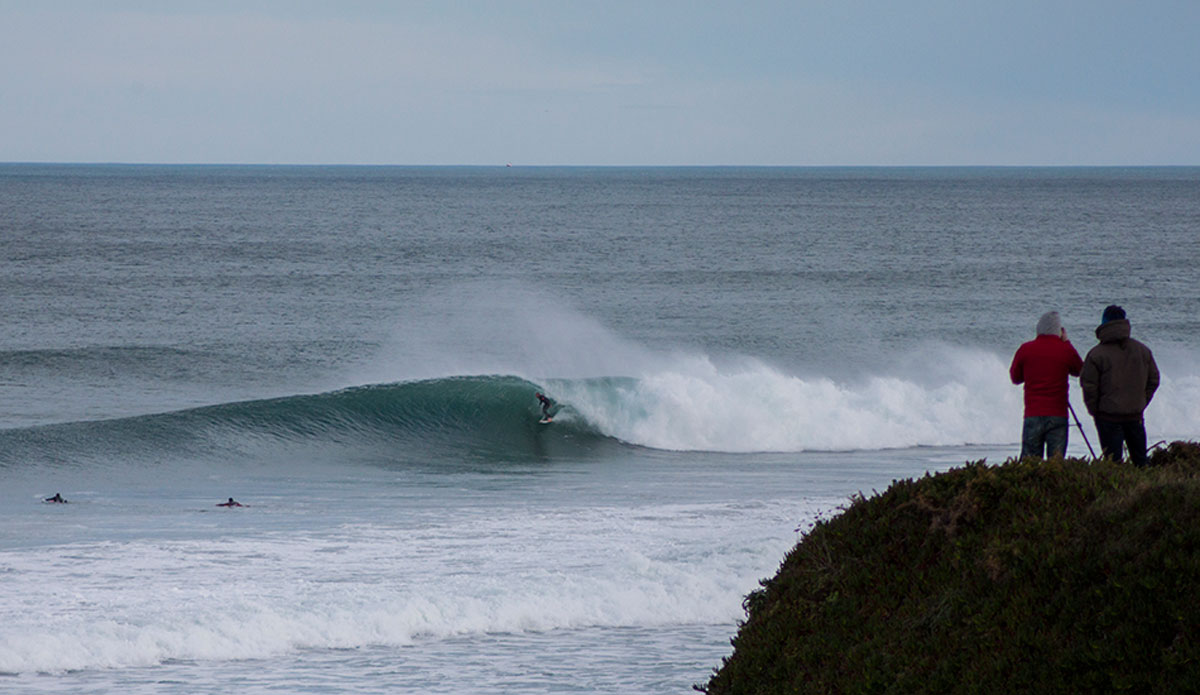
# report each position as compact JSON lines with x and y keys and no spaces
{"x":1058,"y":576}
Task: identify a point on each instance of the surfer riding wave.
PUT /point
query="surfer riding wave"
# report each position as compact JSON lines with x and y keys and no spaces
{"x":546,"y":405}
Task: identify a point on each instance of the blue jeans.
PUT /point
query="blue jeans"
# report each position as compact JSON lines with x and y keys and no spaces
{"x":1114,"y":434}
{"x":1044,"y":431}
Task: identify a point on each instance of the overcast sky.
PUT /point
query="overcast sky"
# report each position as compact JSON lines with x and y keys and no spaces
{"x":604,"y":82}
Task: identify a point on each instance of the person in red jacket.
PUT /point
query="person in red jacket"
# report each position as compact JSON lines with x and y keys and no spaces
{"x":1043,"y":365}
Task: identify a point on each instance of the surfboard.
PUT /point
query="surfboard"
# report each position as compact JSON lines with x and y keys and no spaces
{"x":546,"y":421}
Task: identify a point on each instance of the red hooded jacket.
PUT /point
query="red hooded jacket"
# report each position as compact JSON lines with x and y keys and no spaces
{"x":1042,"y":365}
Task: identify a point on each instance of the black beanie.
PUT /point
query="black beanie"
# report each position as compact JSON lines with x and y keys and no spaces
{"x":1112,"y":312}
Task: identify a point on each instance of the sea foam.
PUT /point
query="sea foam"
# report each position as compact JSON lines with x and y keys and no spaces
{"x":145,"y":602}
{"x":749,"y":405}
{"x":963,"y":396}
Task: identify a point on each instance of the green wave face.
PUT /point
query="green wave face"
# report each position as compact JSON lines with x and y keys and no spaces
{"x":467,"y":417}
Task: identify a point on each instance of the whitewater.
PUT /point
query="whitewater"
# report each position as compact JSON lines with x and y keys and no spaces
{"x":353,"y":353}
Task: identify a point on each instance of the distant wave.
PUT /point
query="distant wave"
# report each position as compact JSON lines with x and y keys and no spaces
{"x":106,"y":358}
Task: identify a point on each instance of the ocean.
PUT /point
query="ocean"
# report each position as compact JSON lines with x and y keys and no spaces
{"x":352,"y":353}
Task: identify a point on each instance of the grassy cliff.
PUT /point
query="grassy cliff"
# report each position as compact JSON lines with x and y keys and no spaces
{"x":1027,"y":577}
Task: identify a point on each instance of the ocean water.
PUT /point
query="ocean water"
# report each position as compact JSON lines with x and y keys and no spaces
{"x":353,"y":352}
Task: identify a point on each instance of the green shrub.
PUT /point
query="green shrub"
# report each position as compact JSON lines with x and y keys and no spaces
{"x":1062,"y":576}
{"x":1187,"y":453}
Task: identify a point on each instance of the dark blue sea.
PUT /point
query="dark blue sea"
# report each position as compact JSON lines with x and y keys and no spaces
{"x":352,"y":353}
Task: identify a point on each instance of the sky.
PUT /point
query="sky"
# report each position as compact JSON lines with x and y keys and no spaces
{"x":601,"y":82}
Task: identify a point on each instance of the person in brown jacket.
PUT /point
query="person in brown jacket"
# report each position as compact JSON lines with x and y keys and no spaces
{"x":1119,"y":379}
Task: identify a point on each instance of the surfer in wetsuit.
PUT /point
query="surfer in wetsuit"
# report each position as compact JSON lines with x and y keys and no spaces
{"x":231,"y":503}
{"x":56,"y":499}
{"x":546,"y":403}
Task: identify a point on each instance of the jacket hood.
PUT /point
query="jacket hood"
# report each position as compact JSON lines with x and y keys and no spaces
{"x":1049,"y":324}
{"x":1113,"y":331}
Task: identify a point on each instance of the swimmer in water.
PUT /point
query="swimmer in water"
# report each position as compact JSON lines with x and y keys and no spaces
{"x":231,"y":503}
{"x":56,"y":499}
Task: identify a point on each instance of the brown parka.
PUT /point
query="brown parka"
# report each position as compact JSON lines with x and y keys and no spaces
{"x":1119,"y":375}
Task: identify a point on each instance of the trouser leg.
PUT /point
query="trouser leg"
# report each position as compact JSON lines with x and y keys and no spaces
{"x":1112,"y":436}
{"x":1033,"y":437}
{"x":1135,"y":441}
{"x":1056,"y":436}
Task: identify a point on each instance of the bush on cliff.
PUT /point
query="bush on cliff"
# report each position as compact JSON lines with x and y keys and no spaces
{"x":1063,"y":576}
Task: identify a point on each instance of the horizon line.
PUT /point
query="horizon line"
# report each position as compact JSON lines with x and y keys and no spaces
{"x":509,"y":165}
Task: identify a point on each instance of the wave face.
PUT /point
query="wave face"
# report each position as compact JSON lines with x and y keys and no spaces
{"x":462,"y":417}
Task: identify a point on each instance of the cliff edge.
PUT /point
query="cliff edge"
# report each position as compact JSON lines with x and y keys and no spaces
{"x":1063,"y":576}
